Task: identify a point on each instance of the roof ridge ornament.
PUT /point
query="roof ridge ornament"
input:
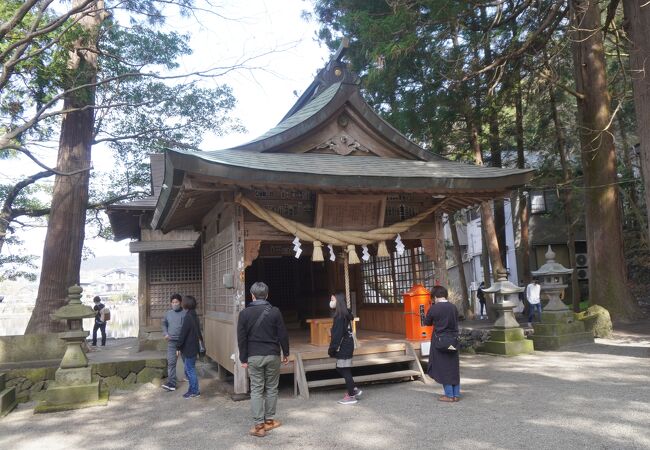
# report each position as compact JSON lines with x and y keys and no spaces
{"x":335,"y":71}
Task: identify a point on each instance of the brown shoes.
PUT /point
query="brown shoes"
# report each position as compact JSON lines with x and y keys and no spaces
{"x":270,"y":424}
{"x":444,"y":398}
{"x":258,"y":430}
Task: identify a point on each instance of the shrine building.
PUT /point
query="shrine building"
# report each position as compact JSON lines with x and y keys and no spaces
{"x":332,"y":199}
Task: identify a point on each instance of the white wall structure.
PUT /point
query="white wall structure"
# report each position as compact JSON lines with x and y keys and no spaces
{"x":471,"y":247}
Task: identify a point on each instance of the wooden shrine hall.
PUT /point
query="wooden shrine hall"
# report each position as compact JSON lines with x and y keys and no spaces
{"x":331,"y":199}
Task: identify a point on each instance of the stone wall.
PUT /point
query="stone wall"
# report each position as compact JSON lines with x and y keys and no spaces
{"x":31,"y":347}
{"x":31,"y":383}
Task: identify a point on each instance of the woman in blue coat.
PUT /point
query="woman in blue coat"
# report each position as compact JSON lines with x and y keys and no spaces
{"x":444,"y":366}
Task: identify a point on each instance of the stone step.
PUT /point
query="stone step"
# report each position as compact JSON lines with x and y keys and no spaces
{"x":367,"y":378}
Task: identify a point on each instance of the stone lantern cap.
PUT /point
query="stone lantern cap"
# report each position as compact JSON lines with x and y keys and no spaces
{"x":551,"y":267}
{"x":74,"y":309}
{"x":503,"y":286}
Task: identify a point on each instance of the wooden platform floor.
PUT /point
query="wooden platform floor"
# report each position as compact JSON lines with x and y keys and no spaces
{"x":299,"y":343}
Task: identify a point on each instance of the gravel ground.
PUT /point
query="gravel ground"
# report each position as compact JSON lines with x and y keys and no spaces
{"x":593,"y":396}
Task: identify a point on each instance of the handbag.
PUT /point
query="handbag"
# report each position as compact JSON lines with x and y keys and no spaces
{"x":446,"y":342}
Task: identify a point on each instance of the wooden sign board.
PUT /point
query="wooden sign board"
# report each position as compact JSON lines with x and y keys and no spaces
{"x":350,"y":212}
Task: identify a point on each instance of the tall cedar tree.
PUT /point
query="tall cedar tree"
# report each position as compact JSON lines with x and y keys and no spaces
{"x":608,"y":283}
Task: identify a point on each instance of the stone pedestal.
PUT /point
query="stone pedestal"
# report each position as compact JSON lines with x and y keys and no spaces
{"x":507,"y":337}
{"x":560,"y":329}
{"x":73,"y":387}
{"x":7,"y":397}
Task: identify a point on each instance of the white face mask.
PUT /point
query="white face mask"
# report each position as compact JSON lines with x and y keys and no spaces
{"x":332,"y":304}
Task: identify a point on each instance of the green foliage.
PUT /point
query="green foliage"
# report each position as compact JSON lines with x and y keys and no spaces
{"x":143,"y":103}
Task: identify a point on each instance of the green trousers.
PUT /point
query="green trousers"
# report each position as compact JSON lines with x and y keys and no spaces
{"x":264,"y":372}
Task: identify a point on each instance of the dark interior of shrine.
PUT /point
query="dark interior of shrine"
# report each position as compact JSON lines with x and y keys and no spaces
{"x":299,"y":287}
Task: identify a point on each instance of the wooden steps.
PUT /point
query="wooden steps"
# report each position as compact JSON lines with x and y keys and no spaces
{"x":367,"y":378}
{"x":392,"y":361}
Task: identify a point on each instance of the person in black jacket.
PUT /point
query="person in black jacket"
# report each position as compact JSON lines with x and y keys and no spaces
{"x":188,"y":344}
{"x":444,"y":367}
{"x":100,"y":324}
{"x":261,"y":334}
{"x":342,"y":346}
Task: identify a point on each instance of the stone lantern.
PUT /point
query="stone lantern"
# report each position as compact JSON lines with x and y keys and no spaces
{"x":507,"y":337}
{"x":72,"y":387}
{"x":559,"y":326}
{"x":552,"y":276}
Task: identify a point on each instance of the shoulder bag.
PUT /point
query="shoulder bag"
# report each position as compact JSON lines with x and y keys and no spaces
{"x":446,"y":342}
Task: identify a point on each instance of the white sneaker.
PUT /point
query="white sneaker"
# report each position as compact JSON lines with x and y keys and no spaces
{"x":347,"y":400}
{"x":357,"y":393}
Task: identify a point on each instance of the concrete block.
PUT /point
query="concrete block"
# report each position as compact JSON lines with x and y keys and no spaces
{"x":131,"y":378}
{"x":122,"y":369}
{"x":160,"y":363}
{"x":59,"y":394}
{"x":105,"y":369}
{"x":7,"y":401}
{"x":70,"y":377}
{"x":114,"y":382}
{"x":31,"y":347}
{"x":148,"y":374}
{"x":136,"y":366}
{"x":45,"y":407}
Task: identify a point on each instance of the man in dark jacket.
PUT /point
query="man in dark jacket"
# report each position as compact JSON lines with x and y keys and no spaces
{"x":261,"y":335}
{"x":100,"y":323}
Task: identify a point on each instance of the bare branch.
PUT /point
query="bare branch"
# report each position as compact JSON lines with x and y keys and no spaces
{"x":40,"y":164}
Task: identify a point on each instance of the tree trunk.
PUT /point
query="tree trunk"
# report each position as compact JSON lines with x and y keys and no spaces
{"x":566,"y":196}
{"x":499,"y":206}
{"x":607,"y":283}
{"x":487,"y":221}
{"x":487,"y":218}
{"x":637,"y":20}
{"x":65,"y":230}
{"x":524,"y":217}
{"x":467,"y":309}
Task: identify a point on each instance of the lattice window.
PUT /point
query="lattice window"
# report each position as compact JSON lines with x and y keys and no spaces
{"x":217,"y":297}
{"x":173,"y":272}
{"x":386,"y":279}
{"x":179,"y":267}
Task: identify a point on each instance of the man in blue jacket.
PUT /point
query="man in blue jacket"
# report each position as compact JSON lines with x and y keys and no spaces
{"x":171,"y":329}
{"x":261,"y":334}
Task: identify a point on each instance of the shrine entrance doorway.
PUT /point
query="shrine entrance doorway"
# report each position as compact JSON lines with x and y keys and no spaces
{"x":300,"y":287}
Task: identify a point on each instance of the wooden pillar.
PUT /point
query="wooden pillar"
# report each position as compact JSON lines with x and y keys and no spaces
{"x":440,"y":259}
{"x":143,"y":295}
{"x":239,"y":303}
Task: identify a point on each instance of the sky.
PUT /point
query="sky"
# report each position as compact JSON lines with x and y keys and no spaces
{"x":286,"y":58}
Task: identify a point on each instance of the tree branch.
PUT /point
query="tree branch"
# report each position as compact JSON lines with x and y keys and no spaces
{"x":551,"y":21}
{"x":40,"y":164}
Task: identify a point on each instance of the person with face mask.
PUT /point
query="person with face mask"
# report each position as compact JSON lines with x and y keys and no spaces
{"x":342,"y":346}
{"x":100,"y":323}
{"x":171,"y":328}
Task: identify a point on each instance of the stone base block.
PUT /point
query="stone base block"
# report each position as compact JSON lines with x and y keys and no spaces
{"x":506,"y":341}
{"x":560,"y":329}
{"x":7,"y":401}
{"x":555,"y":342}
{"x":58,"y":394}
{"x":76,"y":376}
{"x":47,"y":407}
